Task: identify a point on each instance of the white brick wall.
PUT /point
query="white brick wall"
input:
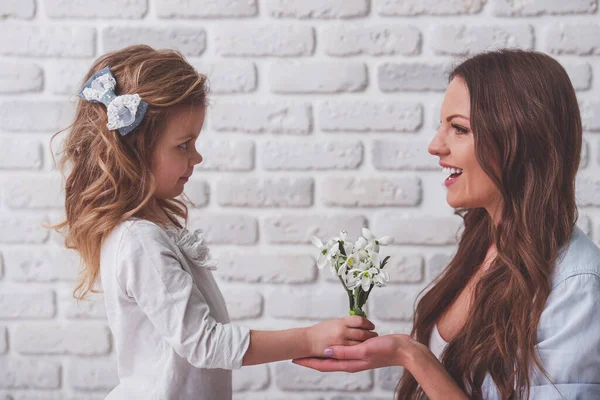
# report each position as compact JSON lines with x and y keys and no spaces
{"x":321,"y":111}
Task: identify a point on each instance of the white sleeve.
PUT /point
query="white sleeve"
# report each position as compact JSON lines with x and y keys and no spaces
{"x":150,"y":272}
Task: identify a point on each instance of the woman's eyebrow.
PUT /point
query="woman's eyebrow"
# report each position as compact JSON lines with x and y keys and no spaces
{"x":448,"y":119}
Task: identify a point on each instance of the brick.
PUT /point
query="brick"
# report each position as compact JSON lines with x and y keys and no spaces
{"x":584,"y":155}
{"x":265,"y":40}
{"x":260,"y":117}
{"x":279,"y":229}
{"x":131,"y":9}
{"x":403,"y":155}
{"x":412,"y":77}
{"x":229,"y":76}
{"x":198,"y":192}
{"x":580,"y":75}
{"x":281,"y":156}
{"x":317,"y":77}
{"x":208,"y":9}
{"x":41,"y":265}
{"x":266,"y":396}
{"x":275,"y":192}
{"x":392,"y":8}
{"x":19,"y":77}
{"x":369,"y":116}
{"x":36,"y":192}
{"x":28,"y":373}
{"x":590,"y":115}
{"x":227,"y":228}
{"x":90,"y":308}
{"x":504,"y":8}
{"x":19,"y":303}
{"x":57,"y":72}
{"x":371,"y":192}
{"x":189,"y":41}
{"x":436,"y":264}
{"x":47,"y":41}
{"x":588,"y":190}
{"x":307,"y":303}
{"x":20,"y":9}
{"x":290,"y":376}
{"x":402,"y":298}
{"x":585,"y":224}
{"x":388,"y":378}
{"x":226,"y":155}
{"x":379,"y":40}
{"x":17,"y":228}
{"x":35,"y":116}
{"x":463,"y":39}
{"x":317,"y":9}
{"x":89,"y":338}
{"x":403,"y":268}
{"x":581,"y":39}
{"x":20,"y":153}
{"x":92,"y":374}
{"x":243,"y":303}
{"x":417,"y":229}
{"x":3,"y":340}
{"x":254,"y":377}
{"x":267,"y":268}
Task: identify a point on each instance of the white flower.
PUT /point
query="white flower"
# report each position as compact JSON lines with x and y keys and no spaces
{"x":326,"y":251}
{"x":351,"y":261}
{"x":193,"y":247}
{"x":360,"y":244}
{"x":375,"y":242}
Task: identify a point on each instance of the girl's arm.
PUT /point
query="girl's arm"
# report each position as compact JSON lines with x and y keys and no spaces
{"x":270,"y":346}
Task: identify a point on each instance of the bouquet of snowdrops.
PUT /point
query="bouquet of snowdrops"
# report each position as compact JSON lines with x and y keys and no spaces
{"x":357,"y":265}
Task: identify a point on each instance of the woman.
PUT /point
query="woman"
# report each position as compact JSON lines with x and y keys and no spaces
{"x":522,"y":292}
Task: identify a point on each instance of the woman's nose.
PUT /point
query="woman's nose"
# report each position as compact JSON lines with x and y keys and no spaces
{"x":437,"y":146}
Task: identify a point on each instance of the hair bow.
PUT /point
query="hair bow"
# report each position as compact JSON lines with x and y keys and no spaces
{"x":125,"y":112}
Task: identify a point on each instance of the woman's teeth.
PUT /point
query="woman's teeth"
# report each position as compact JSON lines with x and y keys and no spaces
{"x":452,"y":171}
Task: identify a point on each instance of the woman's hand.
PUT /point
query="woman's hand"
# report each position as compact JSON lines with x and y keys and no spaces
{"x":346,"y":331}
{"x":378,"y":352}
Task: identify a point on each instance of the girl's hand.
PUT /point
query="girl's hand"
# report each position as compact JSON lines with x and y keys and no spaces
{"x":346,"y":331}
{"x":378,"y":352}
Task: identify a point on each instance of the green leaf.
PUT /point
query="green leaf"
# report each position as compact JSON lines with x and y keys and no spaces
{"x":385,"y":260}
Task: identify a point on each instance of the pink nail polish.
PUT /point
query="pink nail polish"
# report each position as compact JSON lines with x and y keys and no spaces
{"x":328,"y":352}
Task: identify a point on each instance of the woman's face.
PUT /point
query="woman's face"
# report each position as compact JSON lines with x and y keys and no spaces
{"x":468,"y":185}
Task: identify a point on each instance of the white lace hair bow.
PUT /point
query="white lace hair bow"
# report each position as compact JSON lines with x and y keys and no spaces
{"x":125,"y":112}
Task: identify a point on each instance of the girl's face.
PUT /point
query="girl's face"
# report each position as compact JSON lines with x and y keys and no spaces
{"x":468,"y":185}
{"x":175,"y":154}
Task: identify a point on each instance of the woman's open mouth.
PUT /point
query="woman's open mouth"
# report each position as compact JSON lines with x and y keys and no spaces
{"x":453,"y":175}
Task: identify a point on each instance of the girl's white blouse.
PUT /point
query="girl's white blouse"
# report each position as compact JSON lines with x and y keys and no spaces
{"x":168,"y":317}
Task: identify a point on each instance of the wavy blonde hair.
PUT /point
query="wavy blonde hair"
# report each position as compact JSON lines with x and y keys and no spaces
{"x":109,"y":176}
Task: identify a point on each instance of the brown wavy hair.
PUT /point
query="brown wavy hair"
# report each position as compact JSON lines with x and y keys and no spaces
{"x":109,"y":175}
{"x":527,"y":133}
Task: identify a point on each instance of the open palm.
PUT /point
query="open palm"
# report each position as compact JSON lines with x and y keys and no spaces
{"x":377,"y":352}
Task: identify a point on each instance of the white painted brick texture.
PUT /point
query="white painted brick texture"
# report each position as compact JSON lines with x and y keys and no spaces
{"x":319,"y":120}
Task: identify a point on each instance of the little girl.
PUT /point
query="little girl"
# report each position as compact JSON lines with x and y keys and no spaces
{"x":129,"y":152}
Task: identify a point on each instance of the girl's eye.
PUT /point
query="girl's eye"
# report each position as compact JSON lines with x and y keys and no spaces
{"x":459,"y":128}
{"x":184,"y":145}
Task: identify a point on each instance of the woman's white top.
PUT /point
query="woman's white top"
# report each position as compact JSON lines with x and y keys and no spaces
{"x":568,"y":333}
{"x":436,"y":343}
{"x":170,"y":324}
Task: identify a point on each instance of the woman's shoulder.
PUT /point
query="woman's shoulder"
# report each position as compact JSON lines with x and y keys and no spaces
{"x":581,"y":256}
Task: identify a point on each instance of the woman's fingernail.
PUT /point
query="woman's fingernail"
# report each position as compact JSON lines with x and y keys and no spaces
{"x":328,"y":352}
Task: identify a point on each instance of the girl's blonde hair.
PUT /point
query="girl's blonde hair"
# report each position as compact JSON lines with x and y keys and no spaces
{"x":109,"y":178}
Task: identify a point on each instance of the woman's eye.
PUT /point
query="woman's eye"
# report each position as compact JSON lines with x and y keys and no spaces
{"x":460,"y":129}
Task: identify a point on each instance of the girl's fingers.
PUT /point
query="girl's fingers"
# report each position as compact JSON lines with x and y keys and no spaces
{"x":354,"y":321}
{"x":360,"y":335}
{"x":351,"y":342}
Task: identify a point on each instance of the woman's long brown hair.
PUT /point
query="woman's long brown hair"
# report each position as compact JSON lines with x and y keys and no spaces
{"x":109,"y":175}
{"x":527,"y":132}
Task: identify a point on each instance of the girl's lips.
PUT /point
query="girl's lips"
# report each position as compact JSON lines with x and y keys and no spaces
{"x":185,"y":179}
